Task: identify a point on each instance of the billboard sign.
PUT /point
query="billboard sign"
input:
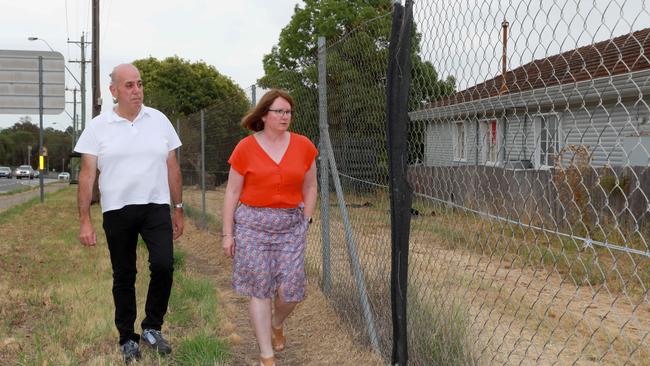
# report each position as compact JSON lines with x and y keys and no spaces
{"x":19,"y":82}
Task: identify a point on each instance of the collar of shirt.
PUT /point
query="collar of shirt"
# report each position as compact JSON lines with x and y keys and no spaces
{"x":114,"y":117}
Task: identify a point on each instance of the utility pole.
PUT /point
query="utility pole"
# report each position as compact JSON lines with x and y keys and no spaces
{"x":83,"y":63}
{"x":74,"y":115}
{"x":97,"y":102}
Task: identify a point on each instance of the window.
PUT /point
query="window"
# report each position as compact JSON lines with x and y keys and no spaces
{"x":490,"y":137}
{"x":547,"y":139}
{"x":459,"y":140}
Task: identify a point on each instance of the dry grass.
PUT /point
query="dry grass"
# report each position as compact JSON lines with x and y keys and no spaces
{"x":316,"y":335}
{"x":529,"y":298}
{"x":57,"y":307}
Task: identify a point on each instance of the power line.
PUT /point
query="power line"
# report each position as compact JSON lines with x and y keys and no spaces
{"x":67,"y":27}
{"x":88,"y":15}
{"x":108,"y":16}
{"x":83,"y":63}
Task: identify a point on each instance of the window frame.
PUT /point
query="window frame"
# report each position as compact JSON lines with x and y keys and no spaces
{"x":537,"y":127}
{"x":485,"y":125}
{"x":454,"y":142}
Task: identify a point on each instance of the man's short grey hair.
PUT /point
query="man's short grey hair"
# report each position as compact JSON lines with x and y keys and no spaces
{"x":113,"y":75}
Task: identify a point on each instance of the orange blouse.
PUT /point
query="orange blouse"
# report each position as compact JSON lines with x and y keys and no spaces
{"x":266,"y":183}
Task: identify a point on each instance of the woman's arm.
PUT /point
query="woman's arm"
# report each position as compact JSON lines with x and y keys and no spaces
{"x":310,"y":190}
{"x":230,"y":200}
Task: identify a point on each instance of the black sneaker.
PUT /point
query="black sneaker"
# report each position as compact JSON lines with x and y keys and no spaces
{"x":156,"y":340}
{"x":131,"y":351}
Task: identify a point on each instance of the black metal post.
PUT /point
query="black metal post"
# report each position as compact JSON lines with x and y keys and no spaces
{"x":398,"y":85}
{"x":204,"y":223}
{"x":40,"y":129}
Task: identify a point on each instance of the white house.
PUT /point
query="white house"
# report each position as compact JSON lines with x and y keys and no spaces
{"x":595,"y":99}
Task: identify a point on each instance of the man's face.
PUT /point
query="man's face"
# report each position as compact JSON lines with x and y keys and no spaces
{"x":128,"y":89}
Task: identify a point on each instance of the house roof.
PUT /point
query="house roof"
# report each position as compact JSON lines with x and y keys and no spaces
{"x":620,"y":55}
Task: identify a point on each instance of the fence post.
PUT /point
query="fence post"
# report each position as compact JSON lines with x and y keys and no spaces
{"x":178,"y":151}
{"x":398,"y":85}
{"x":352,"y":248}
{"x":324,"y":167}
{"x":203,"y":218}
{"x":253,"y":95}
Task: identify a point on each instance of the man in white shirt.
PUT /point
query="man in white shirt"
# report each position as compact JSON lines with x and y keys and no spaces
{"x":134,"y":148}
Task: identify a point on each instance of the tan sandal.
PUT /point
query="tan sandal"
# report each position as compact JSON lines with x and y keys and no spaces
{"x":267,"y":361}
{"x":278,"y":339}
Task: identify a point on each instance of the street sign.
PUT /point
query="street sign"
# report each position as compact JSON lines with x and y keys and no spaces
{"x":19,"y":82}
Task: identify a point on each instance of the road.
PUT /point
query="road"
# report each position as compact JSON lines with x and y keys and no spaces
{"x":9,"y":200}
{"x":8,"y":185}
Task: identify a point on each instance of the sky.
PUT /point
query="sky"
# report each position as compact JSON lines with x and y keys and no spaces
{"x":233,"y":36}
{"x":462,"y":38}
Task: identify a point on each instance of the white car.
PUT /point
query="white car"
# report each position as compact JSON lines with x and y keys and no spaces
{"x":24,"y":171}
{"x":64,"y":176}
{"x":5,"y":172}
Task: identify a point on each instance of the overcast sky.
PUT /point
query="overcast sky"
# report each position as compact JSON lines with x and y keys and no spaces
{"x":232,"y":36}
{"x":461,"y":38}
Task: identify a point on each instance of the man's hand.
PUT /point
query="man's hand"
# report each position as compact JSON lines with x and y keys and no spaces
{"x":87,"y":234}
{"x":178,"y":223}
{"x":87,"y":174}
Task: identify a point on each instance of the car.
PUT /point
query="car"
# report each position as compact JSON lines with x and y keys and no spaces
{"x":64,"y":176}
{"x":5,"y":172}
{"x":24,"y":171}
{"x":36,"y":173}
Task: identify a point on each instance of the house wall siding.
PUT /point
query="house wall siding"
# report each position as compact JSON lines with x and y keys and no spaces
{"x":605,"y":131}
{"x":602,"y":131}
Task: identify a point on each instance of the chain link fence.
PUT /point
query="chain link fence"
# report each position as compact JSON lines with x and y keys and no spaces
{"x":532,"y":184}
{"x":528,"y":156}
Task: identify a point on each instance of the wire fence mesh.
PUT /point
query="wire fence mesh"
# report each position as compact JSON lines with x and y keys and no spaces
{"x":529,"y":150}
{"x":533,"y":186}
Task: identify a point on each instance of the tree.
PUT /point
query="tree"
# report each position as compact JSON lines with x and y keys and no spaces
{"x":358,"y":34}
{"x":24,"y":146}
{"x":7,"y":148}
{"x":19,"y":144}
{"x":180,"y":88}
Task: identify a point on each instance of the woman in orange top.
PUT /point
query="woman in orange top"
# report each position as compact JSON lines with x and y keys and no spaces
{"x":273,"y":175}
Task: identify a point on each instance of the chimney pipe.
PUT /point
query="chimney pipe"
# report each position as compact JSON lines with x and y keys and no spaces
{"x":504,"y":57}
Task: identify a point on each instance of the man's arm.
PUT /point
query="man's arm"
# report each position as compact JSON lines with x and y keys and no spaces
{"x":87,"y":174}
{"x":176,"y":191}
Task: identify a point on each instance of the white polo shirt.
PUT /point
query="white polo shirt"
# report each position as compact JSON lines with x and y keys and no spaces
{"x":131,"y":157}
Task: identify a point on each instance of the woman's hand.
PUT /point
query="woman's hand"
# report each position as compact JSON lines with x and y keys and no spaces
{"x":228,"y":246}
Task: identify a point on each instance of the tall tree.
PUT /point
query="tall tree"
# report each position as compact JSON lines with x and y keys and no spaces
{"x":358,"y":34}
{"x":7,"y":148}
{"x":180,"y":89}
{"x":19,"y":145}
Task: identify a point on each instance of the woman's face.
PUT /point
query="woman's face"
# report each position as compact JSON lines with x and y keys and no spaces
{"x":278,"y":117}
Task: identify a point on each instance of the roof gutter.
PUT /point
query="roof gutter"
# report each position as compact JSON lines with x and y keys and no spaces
{"x":618,"y":87}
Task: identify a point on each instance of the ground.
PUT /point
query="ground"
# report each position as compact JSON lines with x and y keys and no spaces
{"x":315,"y":335}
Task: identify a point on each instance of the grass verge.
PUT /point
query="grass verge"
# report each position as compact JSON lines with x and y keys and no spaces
{"x":440,"y":331}
{"x":57,"y":307}
{"x":212,"y":223}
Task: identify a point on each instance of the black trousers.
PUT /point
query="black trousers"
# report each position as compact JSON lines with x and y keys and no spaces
{"x":153,"y":223}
